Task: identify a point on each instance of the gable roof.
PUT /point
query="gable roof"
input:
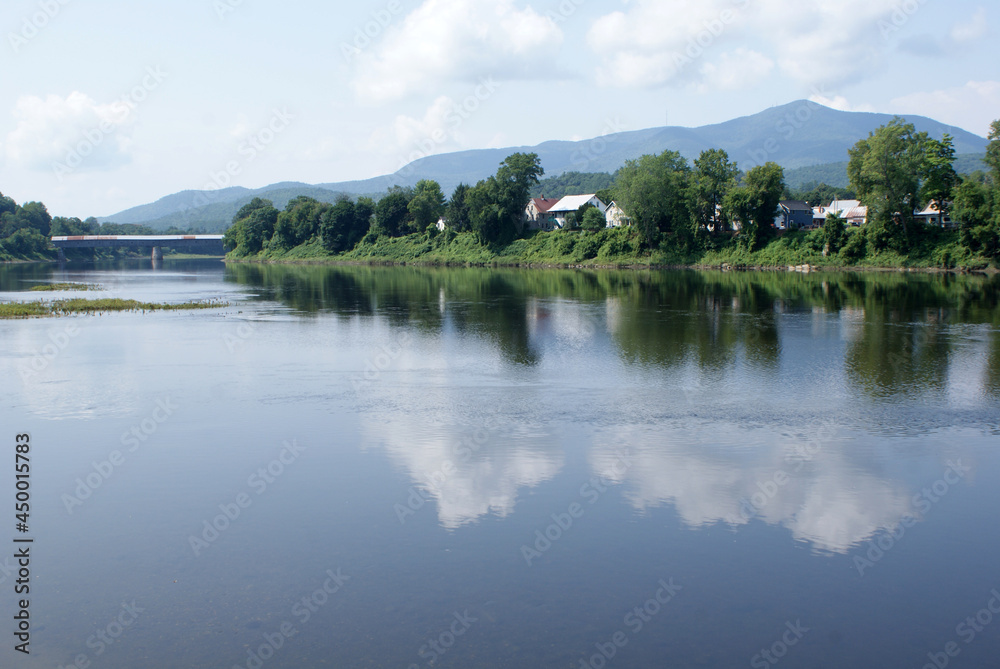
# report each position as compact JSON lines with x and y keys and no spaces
{"x":795,"y":205}
{"x":543,"y":204}
{"x":572,"y":203}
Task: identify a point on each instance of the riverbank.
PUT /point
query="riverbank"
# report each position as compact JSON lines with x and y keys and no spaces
{"x":935,"y":251}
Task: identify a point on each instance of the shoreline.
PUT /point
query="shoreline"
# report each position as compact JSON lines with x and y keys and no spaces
{"x":724,"y":267}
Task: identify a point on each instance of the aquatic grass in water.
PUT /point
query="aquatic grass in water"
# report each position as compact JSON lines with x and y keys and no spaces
{"x":59,"y":287}
{"x":86,"y":306}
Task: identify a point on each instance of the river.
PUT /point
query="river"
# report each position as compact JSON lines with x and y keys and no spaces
{"x":418,"y":467}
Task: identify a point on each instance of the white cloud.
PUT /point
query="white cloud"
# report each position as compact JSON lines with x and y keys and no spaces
{"x":655,"y":42}
{"x":973,"y":30}
{"x":412,"y":138}
{"x":444,"y":41}
{"x":839,"y":102}
{"x":74,"y":131}
{"x":736,"y":70}
{"x":972,"y":106}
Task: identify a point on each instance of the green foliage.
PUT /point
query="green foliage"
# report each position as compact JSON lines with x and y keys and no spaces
{"x":714,"y":176}
{"x":834,"y":232}
{"x":938,"y":172}
{"x":653,"y":190}
{"x":254,"y":225}
{"x":593,"y":219}
{"x":392,"y":211}
{"x":497,"y":204}
{"x":755,"y":203}
{"x":819,"y":194}
{"x":975,"y":207}
{"x":457,"y":215}
{"x":885,"y":170}
{"x":573,"y":183}
{"x":337,"y":226}
{"x":992,"y":158}
{"x":427,"y":205}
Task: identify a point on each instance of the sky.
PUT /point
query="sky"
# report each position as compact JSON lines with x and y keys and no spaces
{"x":108,"y":104}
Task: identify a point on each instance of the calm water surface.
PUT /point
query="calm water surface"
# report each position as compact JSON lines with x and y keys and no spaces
{"x":399,"y":467}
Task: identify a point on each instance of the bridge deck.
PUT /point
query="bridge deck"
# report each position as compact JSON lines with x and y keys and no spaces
{"x":203,"y":243}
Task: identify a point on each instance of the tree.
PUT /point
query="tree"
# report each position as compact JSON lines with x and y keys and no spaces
{"x":7,"y":205}
{"x":992,"y":158}
{"x":938,"y":172}
{"x":457,"y":215}
{"x":593,"y":219}
{"x":834,"y":232}
{"x":653,"y":191}
{"x":427,"y":205}
{"x":714,"y":176}
{"x":337,"y":226}
{"x":885,"y":170}
{"x":755,"y":203}
{"x":299,"y":222}
{"x":253,"y":226}
{"x":34,"y":215}
{"x":975,"y":207}
{"x":391,"y":212}
{"x":364,"y":211}
{"x":497,"y":204}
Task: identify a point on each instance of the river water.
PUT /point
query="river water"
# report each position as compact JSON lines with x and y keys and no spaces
{"x":403,"y":467}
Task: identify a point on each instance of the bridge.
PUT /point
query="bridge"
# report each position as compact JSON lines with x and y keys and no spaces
{"x":201,"y":244}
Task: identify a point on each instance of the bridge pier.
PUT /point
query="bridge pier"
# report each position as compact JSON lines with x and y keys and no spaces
{"x":157,"y":254}
{"x":62,"y":254}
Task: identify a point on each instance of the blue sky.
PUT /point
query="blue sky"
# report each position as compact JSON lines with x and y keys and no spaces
{"x":108,"y":104}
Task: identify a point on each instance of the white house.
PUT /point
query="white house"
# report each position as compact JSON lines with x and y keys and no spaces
{"x":615,"y":216}
{"x":536,"y":213}
{"x":932,"y":215}
{"x":569,"y":204}
{"x":852,"y":210}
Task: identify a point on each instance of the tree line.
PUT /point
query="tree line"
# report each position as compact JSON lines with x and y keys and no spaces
{"x":25,"y":230}
{"x":671,"y":203}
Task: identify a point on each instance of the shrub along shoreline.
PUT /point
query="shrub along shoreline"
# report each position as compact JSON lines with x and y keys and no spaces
{"x":619,"y":248}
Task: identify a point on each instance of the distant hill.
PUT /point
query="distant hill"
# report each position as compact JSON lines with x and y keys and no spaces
{"x":810,"y":141}
{"x":835,"y":174}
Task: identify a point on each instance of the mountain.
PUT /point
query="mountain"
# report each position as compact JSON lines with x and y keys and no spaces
{"x":809,"y":140}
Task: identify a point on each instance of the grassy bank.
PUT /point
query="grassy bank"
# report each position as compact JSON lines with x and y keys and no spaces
{"x":932,"y":249}
{"x":99,"y":306}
